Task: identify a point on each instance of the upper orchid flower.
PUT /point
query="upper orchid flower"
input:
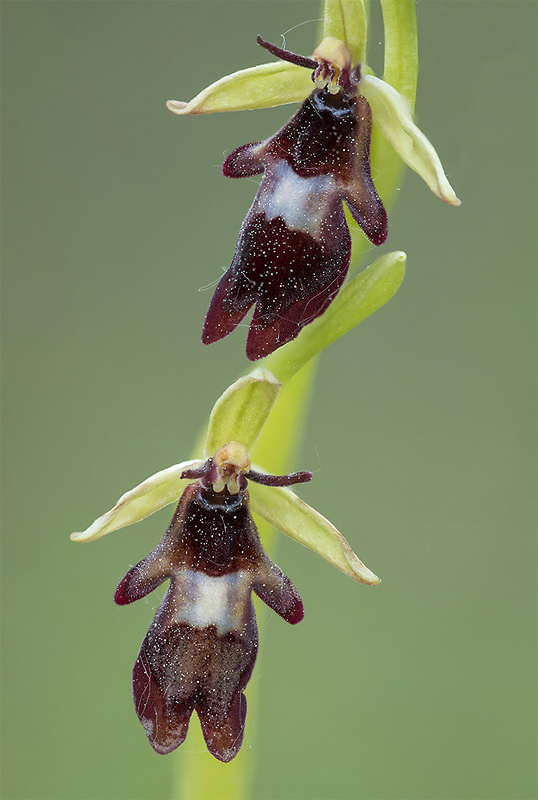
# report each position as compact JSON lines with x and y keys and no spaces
{"x":293,"y":251}
{"x":200,"y":650}
{"x":294,"y":247}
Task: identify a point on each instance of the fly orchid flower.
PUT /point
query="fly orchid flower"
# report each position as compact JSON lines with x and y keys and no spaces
{"x":293,"y":251}
{"x":294,"y":246}
{"x":200,"y":650}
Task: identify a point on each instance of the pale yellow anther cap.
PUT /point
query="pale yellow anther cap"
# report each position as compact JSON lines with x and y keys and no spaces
{"x":334,"y":52}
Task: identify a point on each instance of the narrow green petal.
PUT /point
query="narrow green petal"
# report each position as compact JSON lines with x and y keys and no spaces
{"x":346,"y":20}
{"x":240,"y":413}
{"x":359,"y":298}
{"x":291,"y":515}
{"x":263,"y":86}
{"x":145,"y":499}
{"x":392,"y":115}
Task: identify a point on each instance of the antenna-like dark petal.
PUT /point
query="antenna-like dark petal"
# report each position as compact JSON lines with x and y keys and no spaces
{"x":286,"y":55}
{"x":280,"y":480}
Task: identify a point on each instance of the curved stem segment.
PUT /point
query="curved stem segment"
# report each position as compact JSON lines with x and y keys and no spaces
{"x":198,"y":775}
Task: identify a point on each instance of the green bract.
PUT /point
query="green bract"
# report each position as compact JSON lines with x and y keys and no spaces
{"x":359,"y":297}
{"x":240,"y":413}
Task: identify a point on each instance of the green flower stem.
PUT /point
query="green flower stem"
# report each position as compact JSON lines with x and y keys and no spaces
{"x":198,"y":775}
{"x":400,"y":70}
{"x":277,"y":446}
{"x":401,"y":47}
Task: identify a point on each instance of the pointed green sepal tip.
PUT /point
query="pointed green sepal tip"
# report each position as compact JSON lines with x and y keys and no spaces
{"x":241,"y":412}
{"x":283,"y":509}
{"x":392,"y":115}
{"x":151,"y":495}
{"x":346,"y":20}
{"x":264,"y":86}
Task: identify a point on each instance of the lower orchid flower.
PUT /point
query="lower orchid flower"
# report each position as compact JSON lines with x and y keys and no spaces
{"x":200,"y":650}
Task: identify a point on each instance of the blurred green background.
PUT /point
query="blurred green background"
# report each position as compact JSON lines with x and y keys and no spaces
{"x":421,"y":430}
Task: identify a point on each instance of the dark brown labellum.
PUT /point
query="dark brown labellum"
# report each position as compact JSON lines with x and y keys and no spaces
{"x":294,"y":246}
{"x":200,"y":650}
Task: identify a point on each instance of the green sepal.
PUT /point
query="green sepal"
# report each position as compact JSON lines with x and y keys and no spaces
{"x":288,"y":513}
{"x":392,"y":115}
{"x":241,"y":412}
{"x":151,"y":495}
{"x":264,"y":86}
